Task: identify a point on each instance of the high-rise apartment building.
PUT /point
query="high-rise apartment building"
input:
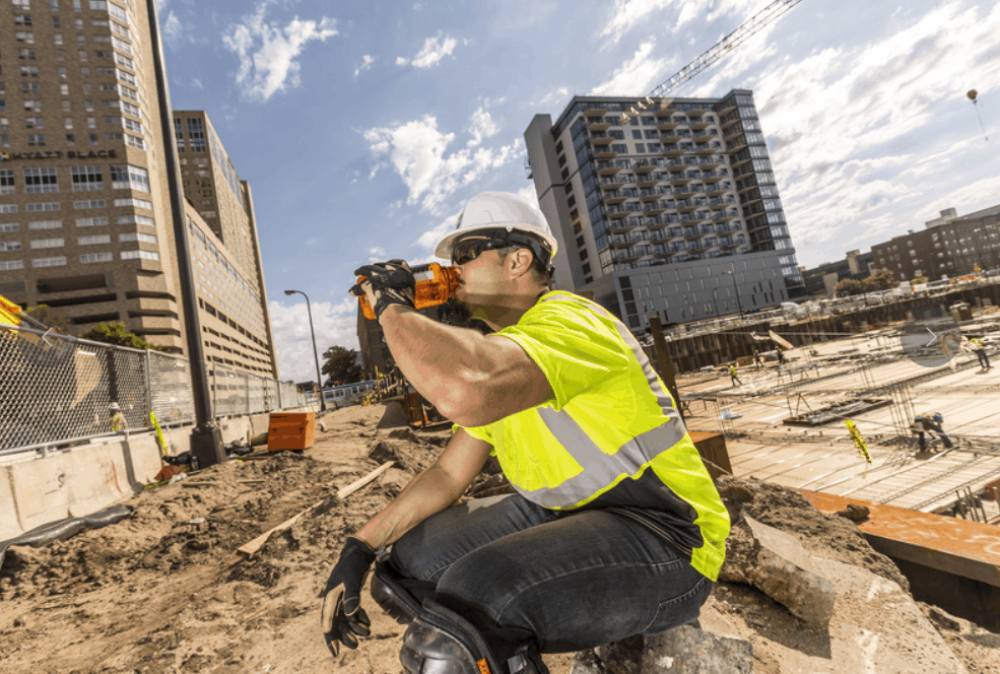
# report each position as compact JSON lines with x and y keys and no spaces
{"x":86,"y":224}
{"x":685,"y":187}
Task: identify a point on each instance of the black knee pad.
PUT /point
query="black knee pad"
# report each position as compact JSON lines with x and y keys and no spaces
{"x":439,"y":641}
{"x":398,"y":596}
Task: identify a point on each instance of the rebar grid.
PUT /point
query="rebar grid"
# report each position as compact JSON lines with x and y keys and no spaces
{"x":56,"y":389}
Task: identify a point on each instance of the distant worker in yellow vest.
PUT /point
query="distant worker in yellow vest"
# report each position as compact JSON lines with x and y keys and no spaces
{"x":118,"y":423}
{"x":980,"y":349}
{"x":733,"y":379}
{"x":616,"y":528}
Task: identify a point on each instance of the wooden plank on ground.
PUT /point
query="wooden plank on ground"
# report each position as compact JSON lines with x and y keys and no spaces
{"x":249,"y":549}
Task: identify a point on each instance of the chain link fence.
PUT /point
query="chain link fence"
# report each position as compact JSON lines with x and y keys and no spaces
{"x":56,"y":389}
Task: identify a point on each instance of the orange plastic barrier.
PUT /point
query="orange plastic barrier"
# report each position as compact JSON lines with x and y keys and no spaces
{"x":291,"y":430}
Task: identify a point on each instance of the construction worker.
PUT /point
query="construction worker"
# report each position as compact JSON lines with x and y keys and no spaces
{"x":118,"y":423}
{"x":733,"y":379}
{"x":615,"y":529}
{"x":781,"y":356}
{"x":977,"y":346}
{"x":924,"y":423}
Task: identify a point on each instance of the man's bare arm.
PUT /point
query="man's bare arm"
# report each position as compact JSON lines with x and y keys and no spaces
{"x":430,"y":492}
{"x":471,"y":379}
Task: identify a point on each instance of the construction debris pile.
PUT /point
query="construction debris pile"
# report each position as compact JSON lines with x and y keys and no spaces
{"x":164,"y":591}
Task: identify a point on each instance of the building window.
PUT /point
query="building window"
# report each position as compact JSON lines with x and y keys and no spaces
{"x":70,"y":139}
{"x":7,"y":182}
{"x":36,"y":140}
{"x":11,"y":227}
{"x":25,"y":36}
{"x":9,"y":245}
{"x":92,"y":203}
{"x":37,"y":244}
{"x":135,"y":220}
{"x":134,"y":203}
{"x":93,"y":240}
{"x":133,"y":236}
{"x":124,"y":177}
{"x":93,"y":222}
{"x":87,"y":178}
{"x":39,"y":180}
{"x":11,"y":265}
{"x":139,"y":254}
{"x":27,"y":55}
{"x":49,"y":262}
{"x":45,"y":224}
{"x":97,"y":257}
{"x":8,"y":208}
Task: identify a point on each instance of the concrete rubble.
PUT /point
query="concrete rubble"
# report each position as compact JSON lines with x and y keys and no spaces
{"x":799,"y":601}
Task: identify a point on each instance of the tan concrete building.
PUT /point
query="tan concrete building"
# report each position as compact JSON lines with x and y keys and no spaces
{"x":86,"y":225}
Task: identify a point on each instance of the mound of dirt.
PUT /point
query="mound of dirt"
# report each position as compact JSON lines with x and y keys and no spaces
{"x":823,"y":535}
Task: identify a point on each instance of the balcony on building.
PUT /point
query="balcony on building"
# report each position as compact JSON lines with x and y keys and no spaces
{"x":686,"y":206}
{"x":667,"y":125}
{"x":717,"y":189}
{"x":608,"y":168}
{"x":613,"y":197}
{"x":656,"y":223}
{"x":747,"y":200}
{"x":721,"y":201}
{"x":705,"y":230}
{"x":705,"y":137}
{"x":648,"y":180}
{"x":604,"y":153}
{"x":729,"y":123}
{"x":670,"y":137}
{"x":649,"y":194}
{"x":619,"y":241}
{"x":683,"y":178}
{"x":646,"y":165}
{"x":598,"y":124}
{"x":690,"y":231}
{"x":711,"y":176}
{"x":736,"y":163}
{"x":672,"y":150}
{"x":665,"y":111}
{"x":655,"y":207}
{"x":620,"y":212}
{"x":699,"y":109}
{"x":596,"y":110}
{"x":699,"y":124}
{"x":612,"y":183}
{"x":709,"y":148}
{"x":714,"y":162}
{"x":600,"y":138}
{"x":678,"y":166}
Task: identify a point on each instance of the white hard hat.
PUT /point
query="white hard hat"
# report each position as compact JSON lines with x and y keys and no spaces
{"x":501,"y":211}
{"x":113,"y":406}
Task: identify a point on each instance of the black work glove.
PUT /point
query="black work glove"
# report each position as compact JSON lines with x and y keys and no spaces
{"x":390,"y":282}
{"x":343,"y":619}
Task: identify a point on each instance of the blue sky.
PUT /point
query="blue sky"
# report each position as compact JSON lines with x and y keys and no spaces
{"x":363,"y":127}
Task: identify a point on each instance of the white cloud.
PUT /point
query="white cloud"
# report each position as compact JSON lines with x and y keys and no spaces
{"x":376,"y":254}
{"x":366,"y":64}
{"x":481,"y":126}
{"x":173,"y":27}
{"x":336,"y":324}
{"x":268,"y":52}
{"x":197,"y":84}
{"x":432,"y":53}
{"x":417,"y":150}
{"x":635,"y":76}
{"x":627,"y":14}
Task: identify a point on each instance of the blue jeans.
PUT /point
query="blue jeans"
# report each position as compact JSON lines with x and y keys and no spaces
{"x":984,"y":360}
{"x":574,"y":581}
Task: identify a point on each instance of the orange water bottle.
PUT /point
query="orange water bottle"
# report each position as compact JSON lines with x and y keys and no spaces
{"x":435,"y":285}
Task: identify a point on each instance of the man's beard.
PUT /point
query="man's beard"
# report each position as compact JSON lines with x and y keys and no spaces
{"x":458,"y":313}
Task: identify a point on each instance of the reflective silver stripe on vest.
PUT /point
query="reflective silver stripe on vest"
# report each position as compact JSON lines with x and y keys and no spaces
{"x":600,"y":469}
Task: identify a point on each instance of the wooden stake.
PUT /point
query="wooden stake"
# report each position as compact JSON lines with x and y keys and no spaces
{"x":248,"y":549}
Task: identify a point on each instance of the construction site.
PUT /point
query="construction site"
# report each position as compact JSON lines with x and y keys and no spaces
{"x":850,"y":551}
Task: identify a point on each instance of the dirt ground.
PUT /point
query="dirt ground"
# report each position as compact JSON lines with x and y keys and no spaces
{"x":164,"y":591}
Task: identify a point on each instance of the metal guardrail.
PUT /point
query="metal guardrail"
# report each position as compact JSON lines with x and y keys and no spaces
{"x":57,"y":389}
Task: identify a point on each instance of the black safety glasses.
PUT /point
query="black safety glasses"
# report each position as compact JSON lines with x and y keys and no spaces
{"x":467,"y":250}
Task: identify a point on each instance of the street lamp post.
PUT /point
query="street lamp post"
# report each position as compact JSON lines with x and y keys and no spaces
{"x":736,"y":290}
{"x":312,"y":331}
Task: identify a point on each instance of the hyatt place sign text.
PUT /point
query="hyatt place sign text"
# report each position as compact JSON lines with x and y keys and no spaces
{"x":58,"y":154}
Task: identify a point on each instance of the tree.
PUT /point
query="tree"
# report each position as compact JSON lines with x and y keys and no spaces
{"x":341,"y":365}
{"x":114,"y":333}
{"x":847,"y":286}
{"x":57,"y":320}
{"x":880,"y":279}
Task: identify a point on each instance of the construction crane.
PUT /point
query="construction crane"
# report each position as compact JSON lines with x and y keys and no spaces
{"x":747,"y":29}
